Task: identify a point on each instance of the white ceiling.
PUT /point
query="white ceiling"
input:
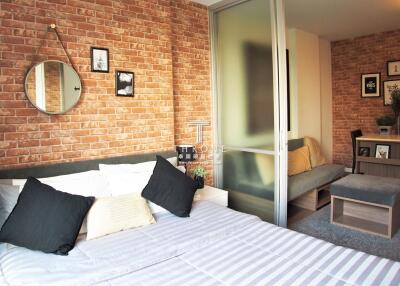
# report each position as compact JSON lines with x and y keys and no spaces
{"x":339,"y":19}
{"x":343,"y":19}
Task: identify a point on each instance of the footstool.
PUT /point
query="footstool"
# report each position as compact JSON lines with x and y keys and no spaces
{"x":366,"y":203}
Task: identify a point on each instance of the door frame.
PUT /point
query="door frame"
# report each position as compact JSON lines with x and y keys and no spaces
{"x":280,"y":104}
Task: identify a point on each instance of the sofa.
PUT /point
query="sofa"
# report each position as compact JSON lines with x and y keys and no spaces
{"x":242,"y":174}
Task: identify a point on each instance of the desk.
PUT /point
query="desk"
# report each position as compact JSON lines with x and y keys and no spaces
{"x":371,"y":165}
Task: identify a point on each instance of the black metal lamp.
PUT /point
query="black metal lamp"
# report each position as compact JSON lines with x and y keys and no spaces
{"x":186,"y":154}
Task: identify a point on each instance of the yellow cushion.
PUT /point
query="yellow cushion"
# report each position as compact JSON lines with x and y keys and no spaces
{"x":265,"y":165}
{"x":112,"y":214}
{"x":299,"y":161}
{"x":316,"y":156}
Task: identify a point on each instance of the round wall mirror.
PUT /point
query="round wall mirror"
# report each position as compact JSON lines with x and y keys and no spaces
{"x":53,"y":87}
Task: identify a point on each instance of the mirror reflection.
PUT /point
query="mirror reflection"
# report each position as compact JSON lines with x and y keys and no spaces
{"x":53,"y":87}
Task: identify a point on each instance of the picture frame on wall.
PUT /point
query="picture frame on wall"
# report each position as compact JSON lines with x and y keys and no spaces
{"x":382,"y":151}
{"x":388,"y":87}
{"x":363,"y":151}
{"x":99,"y":59}
{"x":370,"y":85}
{"x":393,"y":68}
{"x":124,"y":83}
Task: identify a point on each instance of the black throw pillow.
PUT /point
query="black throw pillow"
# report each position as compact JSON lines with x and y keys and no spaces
{"x":170,"y":188}
{"x":45,"y":219}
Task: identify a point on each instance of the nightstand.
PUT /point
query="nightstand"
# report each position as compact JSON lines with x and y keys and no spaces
{"x":212,"y":194}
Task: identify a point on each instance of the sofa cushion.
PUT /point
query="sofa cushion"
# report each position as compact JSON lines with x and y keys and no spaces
{"x":317,"y":177}
{"x":316,"y":156}
{"x":373,"y":189}
{"x":299,"y":161}
{"x":294,"y":144}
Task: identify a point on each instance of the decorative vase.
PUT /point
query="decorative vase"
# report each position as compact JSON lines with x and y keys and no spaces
{"x":200,"y":182}
{"x":385,"y":130}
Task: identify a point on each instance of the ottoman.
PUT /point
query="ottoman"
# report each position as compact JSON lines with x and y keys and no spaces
{"x":366,"y":203}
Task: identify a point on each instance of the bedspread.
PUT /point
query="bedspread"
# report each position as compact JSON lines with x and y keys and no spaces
{"x":215,"y":246}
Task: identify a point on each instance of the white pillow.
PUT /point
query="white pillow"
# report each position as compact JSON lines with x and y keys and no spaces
{"x":124,"y":180}
{"x":8,"y":200}
{"x":134,"y":168}
{"x":89,"y":183}
{"x":112,"y":214}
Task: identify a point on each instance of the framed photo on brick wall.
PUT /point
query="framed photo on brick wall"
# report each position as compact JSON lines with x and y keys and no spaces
{"x":124,"y":83}
{"x":370,"y":85}
{"x":99,"y":59}
{"x":388,"y":87}
{"x":393,"y":68}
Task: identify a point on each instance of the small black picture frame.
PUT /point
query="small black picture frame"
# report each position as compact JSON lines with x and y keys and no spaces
{"x":382,"y":151}
{"x":393,"y":68}
{"x":388,"y":87}
{"x":124,"y":83}
{"x":370,"y":85}
{"x":364,"y":151}
{"x":99,"y":60}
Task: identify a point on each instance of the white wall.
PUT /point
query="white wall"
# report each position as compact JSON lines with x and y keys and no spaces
{"x":310,"y":88}
{"x":326,"y":98}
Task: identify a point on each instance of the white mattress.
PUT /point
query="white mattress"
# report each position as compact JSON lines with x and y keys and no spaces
{"x":215,"y":246}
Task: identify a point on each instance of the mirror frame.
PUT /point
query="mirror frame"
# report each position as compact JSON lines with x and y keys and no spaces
{"x":34,"y":104}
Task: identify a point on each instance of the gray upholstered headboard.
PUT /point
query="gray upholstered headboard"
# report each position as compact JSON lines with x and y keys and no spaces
{"x":80,"y":166}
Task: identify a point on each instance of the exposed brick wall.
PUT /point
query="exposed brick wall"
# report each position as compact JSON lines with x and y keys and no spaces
{"x":164,"y":42}
{"x":52,"y":86}
{"x":191,"y":77}
{"x":350,"y":59}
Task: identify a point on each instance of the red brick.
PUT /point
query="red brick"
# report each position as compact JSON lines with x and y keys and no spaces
{"x":350,"y":59}
{"x":169,"y":42}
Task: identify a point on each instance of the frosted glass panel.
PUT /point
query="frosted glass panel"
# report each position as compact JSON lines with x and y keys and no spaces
{"x":249,"y":177}
{"x":245,"y":83}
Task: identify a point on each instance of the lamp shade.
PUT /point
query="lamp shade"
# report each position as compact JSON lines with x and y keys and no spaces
{"x":186,"y":153}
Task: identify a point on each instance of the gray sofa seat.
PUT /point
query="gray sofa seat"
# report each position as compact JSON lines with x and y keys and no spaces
{"x":317,"y":177}
{"x":373,"y":189}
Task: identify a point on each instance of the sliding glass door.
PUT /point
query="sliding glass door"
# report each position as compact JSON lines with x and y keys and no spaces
{"x":246,"y":82}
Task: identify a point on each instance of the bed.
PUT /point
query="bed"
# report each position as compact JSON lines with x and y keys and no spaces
{"x":214,"y":246}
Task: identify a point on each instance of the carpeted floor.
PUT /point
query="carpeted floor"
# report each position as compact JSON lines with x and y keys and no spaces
{"x":318,"y":225}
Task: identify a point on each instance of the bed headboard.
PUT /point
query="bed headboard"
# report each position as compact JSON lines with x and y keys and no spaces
{"x":44,"y":171}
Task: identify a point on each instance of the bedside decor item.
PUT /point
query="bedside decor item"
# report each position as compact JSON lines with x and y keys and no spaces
{"x":385,"y":124}
{"x":370,"y":84}
{"x":99,"y":59}
{"x":393,"y":68}
{"x":199,"y":173}
{"x":124,"y":83}
{"x":382,"y":151}
{"x":390,"y":86}
{"x":186,"y":154}
{"x":364,"y":151}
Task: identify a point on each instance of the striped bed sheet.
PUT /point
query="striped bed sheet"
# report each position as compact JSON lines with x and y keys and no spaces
{"x":215,"y":246}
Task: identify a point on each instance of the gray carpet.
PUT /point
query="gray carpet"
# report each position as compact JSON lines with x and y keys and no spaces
{"x":318,"y":225}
